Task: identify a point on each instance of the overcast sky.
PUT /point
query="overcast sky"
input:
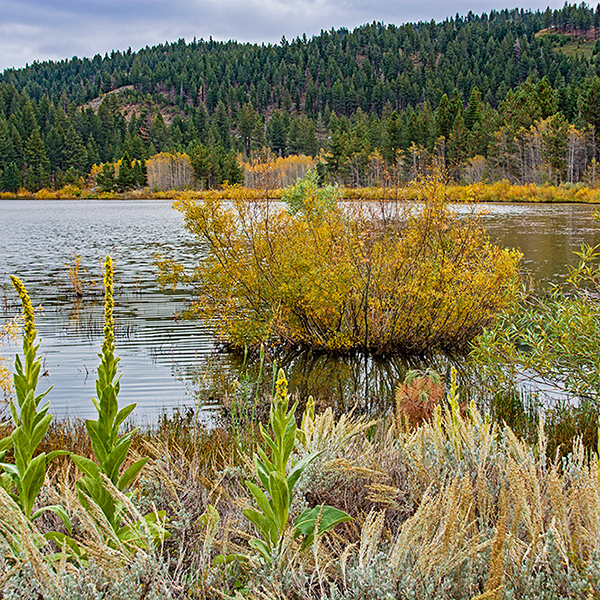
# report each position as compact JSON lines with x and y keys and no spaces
{"x":56,"y":29}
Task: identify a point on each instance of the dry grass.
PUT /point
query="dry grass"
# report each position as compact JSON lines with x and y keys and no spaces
{"x":456,"y":507}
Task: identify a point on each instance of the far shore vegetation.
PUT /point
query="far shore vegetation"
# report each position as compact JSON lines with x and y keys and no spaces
{"x":267,"y":176}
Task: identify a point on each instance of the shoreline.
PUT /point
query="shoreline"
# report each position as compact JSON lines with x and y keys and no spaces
{"x":500,"y":192}
{"x":496,"y":193}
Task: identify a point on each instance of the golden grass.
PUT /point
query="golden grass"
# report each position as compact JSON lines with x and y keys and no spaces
{"x":457,"y":506}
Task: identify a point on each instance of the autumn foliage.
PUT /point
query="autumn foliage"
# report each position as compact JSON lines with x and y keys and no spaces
{"x":316,"y":272}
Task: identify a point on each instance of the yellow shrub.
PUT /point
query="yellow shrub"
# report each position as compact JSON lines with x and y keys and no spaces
{"x":500,"y":191}
{"x":45,"y":194}
{"x":69,"y":192}
{"x":344,"y":278}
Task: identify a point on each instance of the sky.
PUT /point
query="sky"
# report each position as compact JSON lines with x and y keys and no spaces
{"x":57,"y":29}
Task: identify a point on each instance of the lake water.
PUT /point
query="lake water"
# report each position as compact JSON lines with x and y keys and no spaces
{"x":168,"y":363}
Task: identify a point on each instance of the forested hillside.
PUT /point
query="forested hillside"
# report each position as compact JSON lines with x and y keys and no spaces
{"x":511,"y":94}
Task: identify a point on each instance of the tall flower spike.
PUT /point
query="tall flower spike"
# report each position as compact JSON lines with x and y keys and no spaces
{"x":281,"y":396}
{"x":30,"y":331}
{"x":108,"y":346}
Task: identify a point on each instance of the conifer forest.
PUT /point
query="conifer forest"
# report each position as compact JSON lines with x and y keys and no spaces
{"x":512,"y":95}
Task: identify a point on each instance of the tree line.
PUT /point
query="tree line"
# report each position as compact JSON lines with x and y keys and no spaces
{"x":493,"y":95}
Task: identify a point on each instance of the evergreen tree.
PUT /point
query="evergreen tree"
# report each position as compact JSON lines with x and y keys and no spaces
{"x":139,"y":176}
{"x":126,"y":177}
{"x":393,"y":138}
{"x":8,"y":153}
{"x":201,"y":163}
{"x":249,"y":123}
{"x":36,"y":162}
{"x":336,"y":159}
{"x":106,"y":180}
{"x":11,"y":179}
{"x":554,"y":149}
{"x":473,"y":113}
{"x":232,"y":171}
{"x":589,"y":104}
{"x":277,"y":133}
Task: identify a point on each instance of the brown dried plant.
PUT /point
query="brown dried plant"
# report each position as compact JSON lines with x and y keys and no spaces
{"x":417,"y":397}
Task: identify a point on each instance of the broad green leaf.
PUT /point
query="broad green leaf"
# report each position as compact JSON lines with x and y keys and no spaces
{"x":131,"y":473}
{"x":264,"y":550}
{"x":262,"y":471}
{"x":58,"y":510}
{"x":85,"y":465}
{"x":6,"y":443}
{"x":280,"y":496}
{"x":328,"y":515}
{"x":22,"y":452}
{"x":115,"y":459}
{"x":98,"y":442}
{"x":123,"y":414}
{"x":265,"y":526}
{"x":40,"y":431}
{"x":32,"y":481}
{"x":262,"y":501}
{"x":288,"y":445}
{"x":10,"y":469}
{"x":43,"y":411}
{"x":52,"y":455}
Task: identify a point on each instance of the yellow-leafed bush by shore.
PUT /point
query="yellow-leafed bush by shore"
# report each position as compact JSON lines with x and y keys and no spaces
{"x":317,"y":273}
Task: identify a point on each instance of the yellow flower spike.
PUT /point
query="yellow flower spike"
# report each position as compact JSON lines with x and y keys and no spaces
{"x":281,"y":384}
{"x":30,"y":331}
{"x":109,"y":304}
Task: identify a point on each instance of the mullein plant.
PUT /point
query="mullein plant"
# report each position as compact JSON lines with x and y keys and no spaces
{"x":104,"y":482}
{"x":278,"y":478}
{"x":24,"y":477}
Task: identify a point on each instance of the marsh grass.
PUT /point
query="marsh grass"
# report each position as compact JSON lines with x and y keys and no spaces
{"x":458,"y":506}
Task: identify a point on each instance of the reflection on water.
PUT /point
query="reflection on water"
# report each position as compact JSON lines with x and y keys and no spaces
{"x":547,"y":234}
{"x":360,"y":383}
{"x":167,"y":363}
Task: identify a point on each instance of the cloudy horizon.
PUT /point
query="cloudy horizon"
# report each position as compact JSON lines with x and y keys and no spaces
{"x":40,"y":30}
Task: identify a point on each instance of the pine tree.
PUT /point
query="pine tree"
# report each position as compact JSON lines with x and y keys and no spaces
{"x":393,"y":138}
{"x":201,"y":163}
{"x":11,"y":180}
{"x":125,"y":178}
{"x":36,"y":161}
{"x":106,"y":180}
{"x":138,"y":175}
{"x":473,"y":113}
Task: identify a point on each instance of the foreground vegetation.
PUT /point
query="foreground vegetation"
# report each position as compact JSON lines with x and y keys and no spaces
{"x":455,"y":507}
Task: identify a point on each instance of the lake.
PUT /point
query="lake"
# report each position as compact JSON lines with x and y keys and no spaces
{"x":169,"y":364}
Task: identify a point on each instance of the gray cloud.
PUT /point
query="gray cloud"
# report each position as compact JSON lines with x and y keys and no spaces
{"x":57,"y":29}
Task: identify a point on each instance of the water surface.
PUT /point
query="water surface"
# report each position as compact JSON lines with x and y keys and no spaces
{"x":168,"y":363}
